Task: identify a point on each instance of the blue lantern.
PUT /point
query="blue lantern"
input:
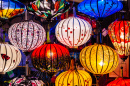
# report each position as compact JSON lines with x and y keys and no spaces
{"x":99,"y":8}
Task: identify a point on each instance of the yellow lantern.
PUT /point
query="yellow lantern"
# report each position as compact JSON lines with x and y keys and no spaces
{"x":99,"y":59}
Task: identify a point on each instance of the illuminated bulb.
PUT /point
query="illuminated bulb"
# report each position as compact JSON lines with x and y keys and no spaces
{"x":101,"y":63}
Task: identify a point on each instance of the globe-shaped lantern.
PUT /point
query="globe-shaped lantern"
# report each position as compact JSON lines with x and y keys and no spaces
{"x":50,"y":57}
{"x":99,"y":8}
{"x":119,"y":82}
{"x":73,"y":31}
{"x":119,"y":32}
{"x":26,"y":35}
{"x":99,"y":59}
{"x":9,"y":59}
{"x":10,"y":8}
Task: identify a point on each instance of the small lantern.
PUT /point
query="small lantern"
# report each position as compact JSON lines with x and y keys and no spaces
{"x":73,"y":31}
{"x":26,"y":35}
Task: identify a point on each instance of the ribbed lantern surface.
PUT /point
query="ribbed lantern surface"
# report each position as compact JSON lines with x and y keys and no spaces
{"x":99,"y":59}
{"x":73,"y":31}
{"x":50,"y":57}
{"x":10,"y":57}
{"x":27,"y":35}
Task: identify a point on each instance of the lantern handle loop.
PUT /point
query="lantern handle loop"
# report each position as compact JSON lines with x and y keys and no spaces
{"x":72,"y":64}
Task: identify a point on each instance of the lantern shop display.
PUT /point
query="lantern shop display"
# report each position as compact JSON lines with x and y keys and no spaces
{"x":119,"y":82}
{"x":99,"y":59}
{"x":26,"y":35}
{"x":9,"y":59}
{"x":50,"y":57}
{"x":11,"y":8}
{"x":119,"y":32}
{"x":99,"y":8}
{"x":73,"y":32}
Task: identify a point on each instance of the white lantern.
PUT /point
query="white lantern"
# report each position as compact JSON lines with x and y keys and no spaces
{"x":73,"y":31}
{"x":27,"y":35}
{"x":10,"y":58}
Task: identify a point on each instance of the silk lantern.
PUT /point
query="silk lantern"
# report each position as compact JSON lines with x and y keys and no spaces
{"x":26,"y":35}
{"x":99,"y":59}
{"x":50,"y":57}
{"x":9,"y":59}
{"x":119,"y":32}
{"x":11,"y":8}
{"x":99,"y":8}
{"x":73,"y":31}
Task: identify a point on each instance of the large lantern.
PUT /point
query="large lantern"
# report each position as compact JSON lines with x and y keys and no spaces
{"x":99,"y":8}
{"x":119,"y":32}
{"x":50,"y":57}
{"x":10,"y":8}
{"x":73,"y":31}
{"x":27,"y":35}
{"x":99,"y":59}
{"x":10,"y":58}
{"x":120,"y":82}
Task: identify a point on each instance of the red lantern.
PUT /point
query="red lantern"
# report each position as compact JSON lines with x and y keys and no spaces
{"x":120,"y":82}
{"x":119,"y":33}
{"x":50,"y":57}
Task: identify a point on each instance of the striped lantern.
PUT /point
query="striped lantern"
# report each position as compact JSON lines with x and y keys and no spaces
{"x":73,"y":31}
{"x":99,"y":59}
{"x":27,"y":35}
{"x":9,"y":59}
{"x":50,"y":57}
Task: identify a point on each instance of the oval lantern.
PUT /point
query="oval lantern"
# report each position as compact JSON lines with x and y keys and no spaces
{"x":26,"y":35}
{"x":9,"y":59}
{"x":73,"y":31}
{"x":99,"y":8}
{"x":50,"y":57}
{"x":99,"y":59}
{"x":119,"y":82}
{"x":11,"y":8}
{"x":119,"y":32}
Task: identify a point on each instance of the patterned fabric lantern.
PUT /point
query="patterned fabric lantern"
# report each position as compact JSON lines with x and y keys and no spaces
{"x":99,"y":8}
{"x":50,"y":57}
{"x":10,"y":8}
{"x":27,"y":35}
{"x":120,"y":82}
{"x":99,"y":59}
{"x":10,"y":58}
{"x":73,"y":31}
{"x":119,"y":32}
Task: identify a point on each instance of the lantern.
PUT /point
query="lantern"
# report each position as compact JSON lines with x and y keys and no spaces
{"x":120,"y":82}
{"x":119,"y":32}
{"x":50,"y":57}
{"x":99,"y":59}
{"x":26,"y":35}
{"x":99,"y":8}
{"x":9,"y":59}
{"x":73,"y":31}
{"x":10,"y":8}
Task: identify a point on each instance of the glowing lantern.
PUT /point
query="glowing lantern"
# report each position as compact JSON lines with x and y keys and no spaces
{"x":10,"y":8}
{"x":120,"y":82}
{"x":10,"y":58}
{"x":73,"y":31}
{"x":99,"y":8}
{"x":50,"y":57}
{"x":99,"y":59}
{"x":119,"y":32}
{"x":27,"y":35}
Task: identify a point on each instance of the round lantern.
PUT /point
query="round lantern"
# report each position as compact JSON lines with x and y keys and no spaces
{"x":99,"y":8}
{"x":73,"y":31}
{"x":120,"y":82}
{"x":99,"y":59}
{"x":10,"y":57}
{"x":50,"y":57}
{"x":119,"y":32}
{"x":10,"y":8}
{"x":26,"y":35}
